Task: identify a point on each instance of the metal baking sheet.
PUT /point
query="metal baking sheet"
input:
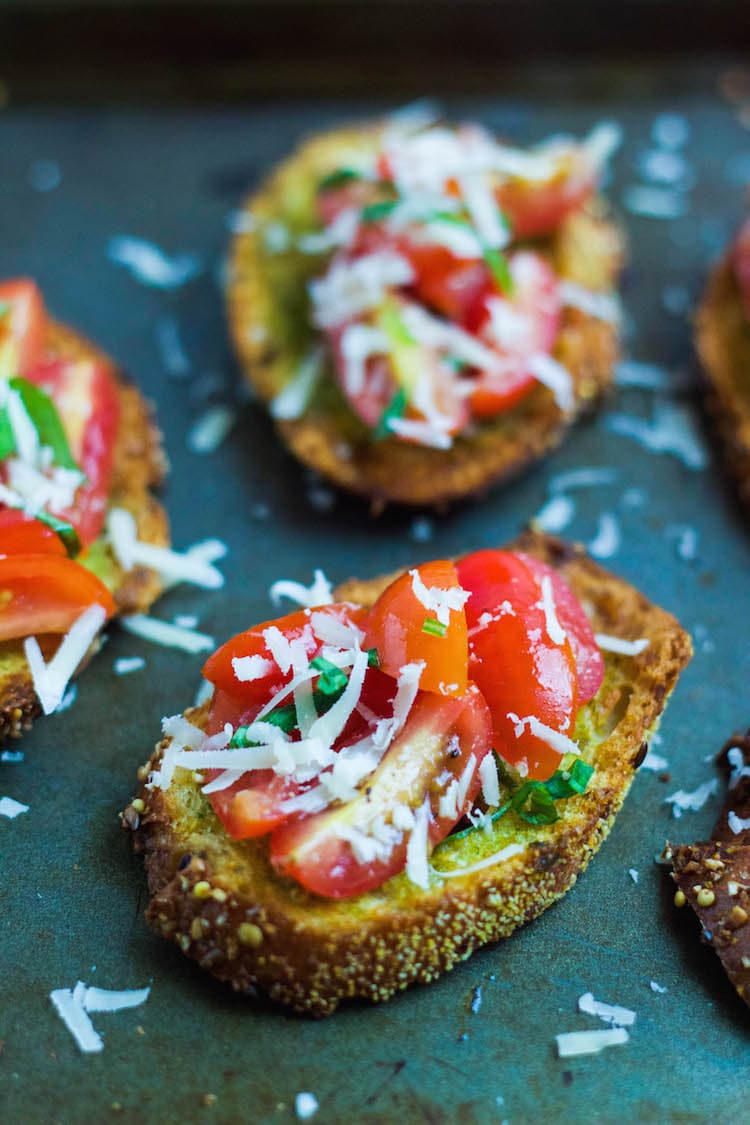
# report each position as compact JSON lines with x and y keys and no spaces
{"x":72,"y":895}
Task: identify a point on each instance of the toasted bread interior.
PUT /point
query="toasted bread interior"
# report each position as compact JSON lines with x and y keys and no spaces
{"x":270,"y":325}
{"x":139,"y":466}
{"x":266,"y":931}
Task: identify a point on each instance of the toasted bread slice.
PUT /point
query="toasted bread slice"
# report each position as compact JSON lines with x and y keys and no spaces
{"x":220,"y":900}
{"x":139,"y":466}
{"x":269,"y":323}
{"x":723,"y":342}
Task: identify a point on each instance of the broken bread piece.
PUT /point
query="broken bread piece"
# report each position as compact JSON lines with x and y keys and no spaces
{"x":426,"y":313}
{"x":278,"y":884}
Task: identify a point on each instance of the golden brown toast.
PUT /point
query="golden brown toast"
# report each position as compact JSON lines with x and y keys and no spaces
{"x":269,"y":324}
{"x":723,"y":342}
{"x":139,"y":466}
{"x":223,"y":904}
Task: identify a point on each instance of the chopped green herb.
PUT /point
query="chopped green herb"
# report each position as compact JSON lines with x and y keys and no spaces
{"x":7,"y":441}
{"x":374,"y":212}
{"x":499,"y":269}
{"x":338,"y":178}
{"x":434,"y":627}
{"x":65,"y":530}
{"x":395,"y":409}
{"x":392,"y":323}
{"x":332,"y":680}
{"x":46,"y":421}
{"x":534,"y":804}
{"x":286,"y":717}
{"x":4,"y":308}
{"x":373,"y":660}
{"x":567,"y":783}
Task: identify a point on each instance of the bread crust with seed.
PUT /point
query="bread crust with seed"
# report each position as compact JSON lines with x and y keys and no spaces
{"x":222,"y":903}
{"x":268,"y":316}
{"x":723,"y":342}
{"x":139,"y":467}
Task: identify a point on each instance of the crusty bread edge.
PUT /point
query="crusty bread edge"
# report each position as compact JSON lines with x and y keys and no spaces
{"x":311,"y":955}
{"x":139,"y":467}
{"x":393,"y":471}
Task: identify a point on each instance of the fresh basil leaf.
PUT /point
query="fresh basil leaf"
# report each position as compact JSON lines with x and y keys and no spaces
{"x":338,"y":178}
{"x":46,"y":420}
{"x":65,"y":530}
{"x":568,"y":783}
{"x":534,"y":804}
{"x":7,"y":441}
{"x":500,"y":270}
{"x":395,"y":409}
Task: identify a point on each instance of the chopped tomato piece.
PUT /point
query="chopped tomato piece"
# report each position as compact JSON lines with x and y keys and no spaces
{"x":372,"y":392}
{"x":518,"y":326}
{"x":535,"y":208}
{"x":513,"y":660}
{"x":404,"y":630}
{"x":23,"y":535}
{"x":453,"y":287}
{"x":45,"y":594}
{"x":219,"y":669}
{"x":572,"y":617}
{"x":86,"y":396}
{"x":23,"y":327}
{"x":443,"y":739}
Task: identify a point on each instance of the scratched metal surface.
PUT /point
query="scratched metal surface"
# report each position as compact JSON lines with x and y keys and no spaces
{"x":71,"y":895}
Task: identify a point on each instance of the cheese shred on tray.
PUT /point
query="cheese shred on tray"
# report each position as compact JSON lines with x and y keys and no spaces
{"x":371,"y":748}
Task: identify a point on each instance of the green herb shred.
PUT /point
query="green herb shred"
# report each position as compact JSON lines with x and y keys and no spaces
{"x":395,"y":409}
{"x":65,"y":530}
{"x":46,"y":421}
{"x":434,"y":627}
{"x":498,"y":265}
{"x":338,"y":178}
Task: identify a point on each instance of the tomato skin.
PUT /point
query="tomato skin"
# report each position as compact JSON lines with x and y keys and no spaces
{"x":454,"y":287}
{"x":86,"y":396}
{"x":313,"y":853}
{"x":45,"y":594}
{"x":537,"y":208}
{"x":23,"y":328}
{"x":513,"y":662}
{"x":23,"y":535}
{"x":395,"y":628}
{"x":573,"y":619}
{"x":218,"y":668}
{"x":379,"y":385}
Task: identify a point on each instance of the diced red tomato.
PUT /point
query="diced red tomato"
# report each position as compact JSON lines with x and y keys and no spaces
{"x":219,"y":669}
{"x":369,"y":400}
{"x":251,"y":806}
{"x":23,"y":327}
{"x":535,"y":208}
{"x":454,"y":287}
{"x":43,"y":593}
{"x":395,"y":627}
{"x":512,"y":659}
{"x":85,"y":394}
{"x":23,"y":535}
{"x":741,"y":259}
{"x":517,"y":327}
{"x":440,"y":736}
{"x":572,"y":617}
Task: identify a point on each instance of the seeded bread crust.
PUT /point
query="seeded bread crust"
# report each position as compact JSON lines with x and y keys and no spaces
{"x":139,"y":467}
{"x":268,"y":314}
{"x":222,"y":903}
{"x":723,"y":341}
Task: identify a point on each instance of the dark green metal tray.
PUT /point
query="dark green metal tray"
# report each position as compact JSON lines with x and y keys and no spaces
{"x":71,"y":894}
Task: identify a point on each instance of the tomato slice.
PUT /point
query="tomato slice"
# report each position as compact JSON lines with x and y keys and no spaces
{"x":219,"y":668}
{"x":23,"y":327}
{"x":572,"y":617}
{"x":45,"y":594}
{"x":454,"y":287}
{"x":519,"y":326}
{"x":396,"y":628}
{"x":85,"y":394}
{"x":439,"y":739}
{"x":513,"y":660}
{"x":535,"y":208}
{"x":252,"y":805}
{"x":741,"y":262}
{"x":23,"y":535}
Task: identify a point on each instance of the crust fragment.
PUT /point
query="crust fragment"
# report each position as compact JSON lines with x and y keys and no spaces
{"x":254,"y":929}
{"x":139,"y":467}
{"x":267,"y":313}
{"x":723,"y":342}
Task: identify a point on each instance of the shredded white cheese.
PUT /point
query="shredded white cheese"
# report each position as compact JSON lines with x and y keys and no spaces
{"x":490,"y":781}
{"x":150,"y":265}
{"x":737,"y":823}
{"x":606,"y":542}
{"x":74,"y":1005}
{"x":292,"y":401}
{"x":124,"y":665}
{"x":51,"y":680}
{"x":619,"y":645}
{"x":320,"y":593}
{"x":671,"y":429}
{"x":164,"y":633}
{"x":555,"y":631}
{"x":691,"y":802}
{"x":555,"y":377}
{"x":130,"y":551}
{"x":417,"y":858}
{"x":11,"y":808}
{"x":609,"y":1013}
{"x":249,"y":668}
{"x":602,"y":306}
{"x":437,"y":600}
{"x":555,"y":516}
{"x":573,"y":1043}
{"x":489,"y":861}
{"x":555,"y":739}
{"x":305,"y":1105}
{"x":353,"y":287}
